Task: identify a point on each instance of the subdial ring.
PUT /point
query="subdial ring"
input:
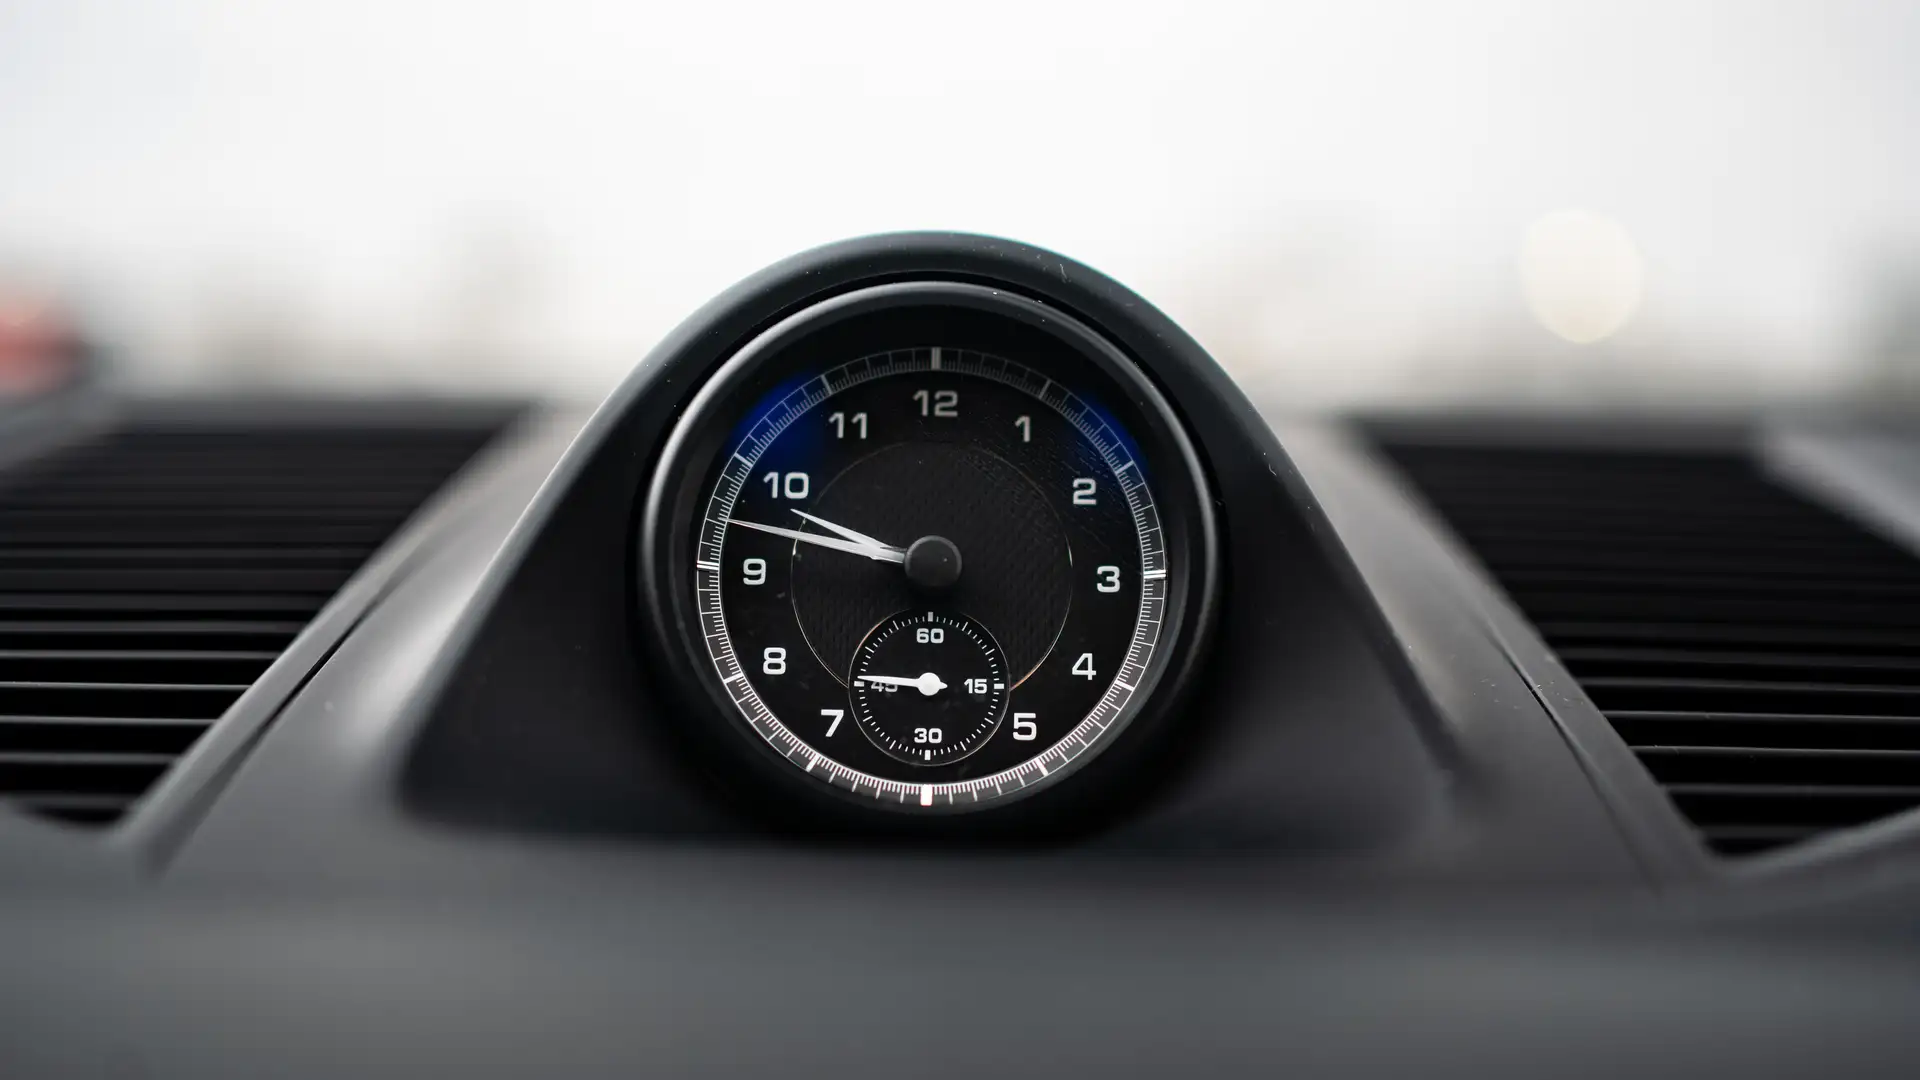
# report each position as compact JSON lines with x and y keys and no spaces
{"x":928,"y":687}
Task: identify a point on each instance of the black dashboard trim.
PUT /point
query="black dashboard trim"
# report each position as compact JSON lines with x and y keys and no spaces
{"x":166,"y":815}
{"x":1799,"y":452}
{"x":531,"y":708}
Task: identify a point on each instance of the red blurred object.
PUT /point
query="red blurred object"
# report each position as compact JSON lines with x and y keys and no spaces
{"x":39,"y":349}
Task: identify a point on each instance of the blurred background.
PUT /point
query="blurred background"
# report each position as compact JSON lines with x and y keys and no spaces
{"x":1392,"y":204}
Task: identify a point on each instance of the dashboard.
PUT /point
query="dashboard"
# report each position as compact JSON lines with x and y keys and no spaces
{"x":929,"y":659}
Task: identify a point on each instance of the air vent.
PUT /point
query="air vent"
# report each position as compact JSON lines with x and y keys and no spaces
{"x":150,"y":575}
{"x":1760,"y":653}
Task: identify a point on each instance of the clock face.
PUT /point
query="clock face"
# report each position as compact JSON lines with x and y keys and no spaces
{"x":926,"y":561}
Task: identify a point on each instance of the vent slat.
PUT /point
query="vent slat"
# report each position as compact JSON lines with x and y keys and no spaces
{"x":136,"y":606}
{"x":1740,"y":695}
{"x":1752,"y":839}
{"x":1815,"y":792}
{"x":347,"y":557}
{"x":1759,"y":653}
{"x":150,"y":576}
{"x":85,"y":809}
{"x":169,"y":700}
{"x":134,"y":635}
{"x":65,"y":758}
{"x":1705,"y":583}
{"x":132,"y":666}
{"x":113,"y":735}
{"x":81,"y":774}
{"x":199,"y":533}
{"x":71,"y":802}
{"x":1837,"y":640}
{"x":1801,"y":667}
{"x":1627,"y":562}
{"x":1834,"y":806}
{"x":1781,"y":730}
{"x":1728,"y":605}
{"x":383,"y":494}
{"x":173,"y":579}
{"x":1778,"y":765}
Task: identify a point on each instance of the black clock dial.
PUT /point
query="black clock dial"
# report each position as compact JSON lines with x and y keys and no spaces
{"x":928,"y":565}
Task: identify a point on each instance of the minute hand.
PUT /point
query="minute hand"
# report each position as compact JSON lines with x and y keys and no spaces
{"x":846,"y":533}
{"x":878,"y":554}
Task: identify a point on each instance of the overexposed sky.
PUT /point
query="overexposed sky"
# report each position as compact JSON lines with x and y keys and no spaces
{"x":1333,"y":196}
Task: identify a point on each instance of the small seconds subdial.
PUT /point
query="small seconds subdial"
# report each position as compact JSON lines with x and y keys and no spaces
{"x":928,"y":687}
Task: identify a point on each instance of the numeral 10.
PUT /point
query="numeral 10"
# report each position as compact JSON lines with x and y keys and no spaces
{"x":793,"y":485}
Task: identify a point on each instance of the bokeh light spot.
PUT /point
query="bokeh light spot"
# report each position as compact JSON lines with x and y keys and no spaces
{"x":1582,"y":274}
